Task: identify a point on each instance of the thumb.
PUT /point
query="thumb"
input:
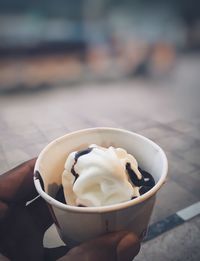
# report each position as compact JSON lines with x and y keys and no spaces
{"x":110,"y":240}
{"x":128,"y":247}
{"x":110,"y":247}
{"x":124,"y":245}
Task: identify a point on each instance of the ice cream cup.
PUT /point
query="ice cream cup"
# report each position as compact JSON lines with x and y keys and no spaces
{"x":77,"y":224}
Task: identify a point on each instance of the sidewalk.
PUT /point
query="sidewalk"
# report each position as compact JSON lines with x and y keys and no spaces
{"x":181,"y":243}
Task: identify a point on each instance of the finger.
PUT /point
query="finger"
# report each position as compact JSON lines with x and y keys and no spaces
{"x":52,"y":254}
{"x":128,"y":247}
{"x":102,"y":248}
{"x":3,"y":210}
{"x":110,"y":239}
{"x":20,"y":238}
{"x":17,"y":184}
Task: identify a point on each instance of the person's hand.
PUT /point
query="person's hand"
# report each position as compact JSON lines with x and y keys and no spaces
{"x":119,"y":246}
{"x":22,"y":226}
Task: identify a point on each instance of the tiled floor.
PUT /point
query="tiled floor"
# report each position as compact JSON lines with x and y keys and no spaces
{"x":161,"y":110}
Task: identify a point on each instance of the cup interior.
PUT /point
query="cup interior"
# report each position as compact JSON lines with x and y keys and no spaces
{"x":50,"y":163}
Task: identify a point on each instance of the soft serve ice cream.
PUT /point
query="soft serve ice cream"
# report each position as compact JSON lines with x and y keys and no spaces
{"x":99,"y":176}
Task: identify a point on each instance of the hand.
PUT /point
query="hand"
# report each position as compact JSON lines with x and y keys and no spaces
{"x":119,"y":246}
{"x":22,"y":226}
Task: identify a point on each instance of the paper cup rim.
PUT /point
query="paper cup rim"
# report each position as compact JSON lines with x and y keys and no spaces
{"x":108,"y":208}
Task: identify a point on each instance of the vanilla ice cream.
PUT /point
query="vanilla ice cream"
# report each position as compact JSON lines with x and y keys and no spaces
{"x":99,"y":176}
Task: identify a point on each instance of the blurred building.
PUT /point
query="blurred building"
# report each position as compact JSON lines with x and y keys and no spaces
{"x":81,"y":40}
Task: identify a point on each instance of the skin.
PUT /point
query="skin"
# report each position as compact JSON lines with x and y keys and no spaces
{"x":22,"y":226}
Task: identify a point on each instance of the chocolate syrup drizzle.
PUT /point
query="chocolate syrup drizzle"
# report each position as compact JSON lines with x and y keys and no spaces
{"x":38,"y":176}
{"x":77,"y":156}
{"x":145,"y":183}
{"x":60,"y":195}
{"x":132,"y":175}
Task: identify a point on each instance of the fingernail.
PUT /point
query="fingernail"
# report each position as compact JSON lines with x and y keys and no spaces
{"x":128,"y":248}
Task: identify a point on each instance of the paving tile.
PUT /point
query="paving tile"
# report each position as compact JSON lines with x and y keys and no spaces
{"x":189,"y":181}
{"x":196,"y":222}
{"x":138,"y":125}
{"x":171,"y":198}
{"x":181,"y":243}
{"x":178,"y":165}
{"x":8,"y":134}
{"x":32,"y":137}
{"x":106,"y":122}
{"x":4,"y":130}
{"x":47,"y":124}
{"x":15,"y":157}
{"x":195,"y":133}
{"x":78,"y":122}
{"x":195,"y":121}
{"x":87,"y":122}
{"x":2,"y":155}
{"x":178,"y":143}
{"x":34,"y":150}
{"x":54,"y":133}
{"x":158,"y":132}
{"x":12,"y":143}
{"x":21,"y":127}
{"x":192,"y":155}
{"x":181,"y":125}
{"x":20,"y":141}
{"x":125,"y":117}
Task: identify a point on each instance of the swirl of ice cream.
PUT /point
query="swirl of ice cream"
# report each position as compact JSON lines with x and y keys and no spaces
{"x":99,"y":176}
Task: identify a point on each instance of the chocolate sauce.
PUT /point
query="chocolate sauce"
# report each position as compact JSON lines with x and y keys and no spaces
{"x":144,"y":189}
{"x":38,"y":176}
{"x":148,"y":178}
{"x":133,"y":197}
{"x":133,"y":177}
{"x":82,"y":152}
{"x":74,"y":173}
{"x":60,"y":195}
{"x":145,"y":183}
{"x":77,"y":156}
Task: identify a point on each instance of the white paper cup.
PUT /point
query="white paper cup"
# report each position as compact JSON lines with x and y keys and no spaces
{"x":77,"y":224}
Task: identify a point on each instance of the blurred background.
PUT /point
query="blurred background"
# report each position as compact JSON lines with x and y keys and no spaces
{"x":78,"y":40}
{"x":134,"y":64}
